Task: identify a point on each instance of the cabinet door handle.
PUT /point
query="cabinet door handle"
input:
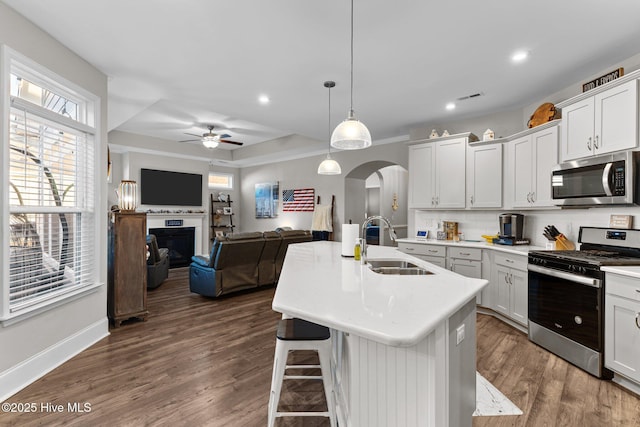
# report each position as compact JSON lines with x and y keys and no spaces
{"x":589,"y":144}
{"x":433,"y":201}
{"x":471,"y":199}
{"x":533,"y":197}
{"x":638,"y":320}
{"x":595,"y":143}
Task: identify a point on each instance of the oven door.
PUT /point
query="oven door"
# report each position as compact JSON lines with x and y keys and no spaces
{"x":567,"y":304}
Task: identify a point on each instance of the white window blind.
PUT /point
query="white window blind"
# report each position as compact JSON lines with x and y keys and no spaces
{"x":51,"y":198}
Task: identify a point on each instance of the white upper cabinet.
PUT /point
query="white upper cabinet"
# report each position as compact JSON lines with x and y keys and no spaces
{"x":421,"y":176}
{"x":604,"y":122}
{"x":450,"y":173}
{"x":531,"y":158}
{"x":437,"y":173}
{"x":484,"y":176}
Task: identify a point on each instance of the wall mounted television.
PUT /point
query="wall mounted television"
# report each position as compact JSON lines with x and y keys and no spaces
{"x":159,"y":187}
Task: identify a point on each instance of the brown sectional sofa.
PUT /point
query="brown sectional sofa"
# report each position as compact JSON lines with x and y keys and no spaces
{"x":242,"y":261}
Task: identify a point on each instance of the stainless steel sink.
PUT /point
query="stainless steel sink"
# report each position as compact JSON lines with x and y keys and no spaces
{"x":397,"y":267}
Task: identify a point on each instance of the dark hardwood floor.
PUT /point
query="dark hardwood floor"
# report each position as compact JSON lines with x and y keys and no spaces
{"x":207,"y":362}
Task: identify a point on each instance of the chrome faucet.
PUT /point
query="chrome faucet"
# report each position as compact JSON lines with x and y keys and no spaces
{"x":392,"y":234}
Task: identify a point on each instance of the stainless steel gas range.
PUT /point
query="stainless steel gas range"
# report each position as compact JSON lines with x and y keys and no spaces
{"x":566,"y":295}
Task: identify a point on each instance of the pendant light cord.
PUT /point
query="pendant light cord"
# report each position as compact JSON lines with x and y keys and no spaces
{"x":329,"y":121}
{"x":351,"y":108}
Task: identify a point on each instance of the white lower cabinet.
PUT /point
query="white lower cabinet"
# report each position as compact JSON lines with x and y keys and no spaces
{"x":622,"y":326}
{"x":466,"y":262}
{"x":510,"y":287}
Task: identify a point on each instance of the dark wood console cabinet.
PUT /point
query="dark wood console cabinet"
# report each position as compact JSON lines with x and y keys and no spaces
{"x":127,"y":295}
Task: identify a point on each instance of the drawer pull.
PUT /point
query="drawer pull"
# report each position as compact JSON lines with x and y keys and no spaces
{"x":510,"y":261}
{"x":465,"y":253}
{"x":410,"y":249}
{"x":435,"y":251}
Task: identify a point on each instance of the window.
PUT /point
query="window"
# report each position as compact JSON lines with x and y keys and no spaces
{"x":221,"y":180}
{"x":51,"y":219}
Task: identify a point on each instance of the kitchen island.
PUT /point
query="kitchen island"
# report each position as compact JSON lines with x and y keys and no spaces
{"x":404,"y":345}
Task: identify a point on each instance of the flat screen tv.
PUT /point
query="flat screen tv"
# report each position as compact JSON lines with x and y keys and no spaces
{"x":170,"y":188}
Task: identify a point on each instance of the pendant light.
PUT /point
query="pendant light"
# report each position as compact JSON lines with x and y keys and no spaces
{"x":351,"y":134}
{"x":328,"y":165}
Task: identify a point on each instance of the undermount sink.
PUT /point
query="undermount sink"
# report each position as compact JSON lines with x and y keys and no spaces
{"x":397,"y":267}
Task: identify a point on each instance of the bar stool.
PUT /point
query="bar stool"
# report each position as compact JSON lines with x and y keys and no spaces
{"x":298,"y":334}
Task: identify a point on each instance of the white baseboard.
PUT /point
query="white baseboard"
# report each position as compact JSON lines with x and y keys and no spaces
{"x":633,"y":387}
{"x":18,"y":377}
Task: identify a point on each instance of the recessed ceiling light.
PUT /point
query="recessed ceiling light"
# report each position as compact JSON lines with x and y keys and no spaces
{"x":450,"y":106}
{"x":520,"y":56}
{"x":263,"y":99}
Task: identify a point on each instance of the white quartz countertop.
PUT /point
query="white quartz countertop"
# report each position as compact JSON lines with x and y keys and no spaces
{"x":319,"y":285}
{"x":631,"y":271}
{"x":516,"y":249}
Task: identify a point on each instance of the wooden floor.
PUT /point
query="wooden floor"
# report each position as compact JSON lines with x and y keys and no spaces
{"x":205,"y":362}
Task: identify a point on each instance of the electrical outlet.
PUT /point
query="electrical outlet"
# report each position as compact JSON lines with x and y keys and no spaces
{"x":460,"y":334}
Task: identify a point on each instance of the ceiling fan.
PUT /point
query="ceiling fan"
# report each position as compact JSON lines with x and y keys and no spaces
{"x":210,"y":139}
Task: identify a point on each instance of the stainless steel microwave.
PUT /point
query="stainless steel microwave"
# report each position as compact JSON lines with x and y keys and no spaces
{"x":604,"y":180}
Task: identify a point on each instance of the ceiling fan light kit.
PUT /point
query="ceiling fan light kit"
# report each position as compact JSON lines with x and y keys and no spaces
{"x":328,"y":165}
{"x":351,"y":134}
{"x":210,"y":141}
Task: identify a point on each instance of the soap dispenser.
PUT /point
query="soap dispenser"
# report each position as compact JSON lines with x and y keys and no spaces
{"x":356,"y":250}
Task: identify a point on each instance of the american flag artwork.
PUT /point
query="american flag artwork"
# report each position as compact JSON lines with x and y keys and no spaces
{"x":299,"y":200}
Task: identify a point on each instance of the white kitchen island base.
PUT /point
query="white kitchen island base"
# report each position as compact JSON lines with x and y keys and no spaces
{"x":404,"y":346}
{"x":432,"y":383}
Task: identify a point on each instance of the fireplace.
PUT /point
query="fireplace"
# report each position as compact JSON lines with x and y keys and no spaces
{"x":179,"y":240}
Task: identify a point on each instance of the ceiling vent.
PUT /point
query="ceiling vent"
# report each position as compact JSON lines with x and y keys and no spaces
{"x":475,"y":95}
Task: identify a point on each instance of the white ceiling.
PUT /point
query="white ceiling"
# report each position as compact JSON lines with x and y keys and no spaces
{"x":175,"y":66}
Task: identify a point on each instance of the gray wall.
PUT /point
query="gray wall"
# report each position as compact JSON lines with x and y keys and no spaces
{"x":33,"y":337}
{"x":127,"y":165}
{"x":302,"y":173}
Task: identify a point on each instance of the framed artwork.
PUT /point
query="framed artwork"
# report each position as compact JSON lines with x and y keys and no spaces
{"x":227,"y":210}
{"x":219,"y":233}
{"x":267,"y":195}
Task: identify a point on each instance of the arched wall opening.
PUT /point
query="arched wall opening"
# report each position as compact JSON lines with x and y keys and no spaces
{"x":386,"y":195}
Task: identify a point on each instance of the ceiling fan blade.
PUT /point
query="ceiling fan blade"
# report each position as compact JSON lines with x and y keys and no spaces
{"x":189,"y":140}
{"x":231,"y":142}
{"x":225,"y":135}
{"x":193,"y":134}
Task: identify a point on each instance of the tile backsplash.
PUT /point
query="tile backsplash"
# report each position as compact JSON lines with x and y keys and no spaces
{"x":567,"y":221}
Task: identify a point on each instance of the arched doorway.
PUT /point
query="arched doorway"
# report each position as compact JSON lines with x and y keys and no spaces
{"x":388,"y":199}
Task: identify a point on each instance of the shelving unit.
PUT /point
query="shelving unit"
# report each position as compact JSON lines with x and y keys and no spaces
{"x":220,"y":221}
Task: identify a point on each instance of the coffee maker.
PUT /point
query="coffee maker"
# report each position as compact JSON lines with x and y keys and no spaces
{"x":511,"y":230}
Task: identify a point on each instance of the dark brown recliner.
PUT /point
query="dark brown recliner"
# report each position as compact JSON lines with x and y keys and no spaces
{"x":267,"y":264}
{"x":289,"y":237}
{"x":232,"y":265}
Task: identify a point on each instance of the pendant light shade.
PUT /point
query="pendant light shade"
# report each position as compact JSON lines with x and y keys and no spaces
{"x":351,"y":134}
{"x":328,"y":165}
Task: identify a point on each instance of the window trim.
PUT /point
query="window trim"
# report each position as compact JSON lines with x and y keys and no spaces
{"x":220,"y":187}
{"x":89,"y":110}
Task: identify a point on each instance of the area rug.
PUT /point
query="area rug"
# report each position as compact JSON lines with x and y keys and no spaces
{"x":490,"y":402}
